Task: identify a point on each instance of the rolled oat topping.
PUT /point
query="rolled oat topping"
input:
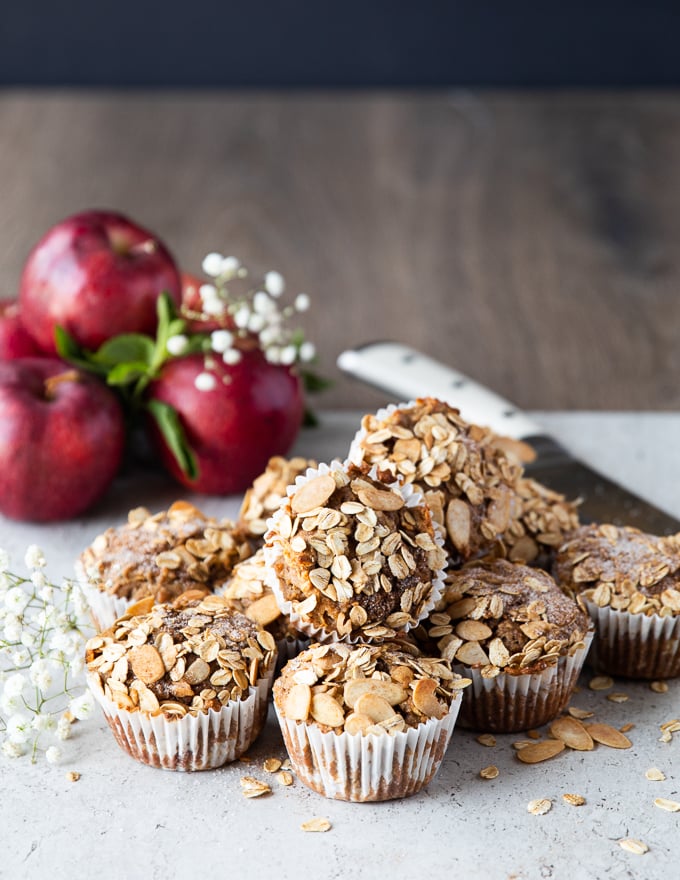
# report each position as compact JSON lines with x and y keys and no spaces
{"x":622,"y":568}
{"x":465,"y":477}
{"x":189,"y":657}
{"x":354,"y":555}
{"x":503,"y":617}
{"x":367,"y":689}
{"x":164,"y":554}
{"x":267,"y":492}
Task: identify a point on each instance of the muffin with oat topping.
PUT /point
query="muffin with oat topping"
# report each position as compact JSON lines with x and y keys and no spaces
{"x":629,"y":582}
{"x":352,"y":557}
{"x":465,"y":477}
{"x":366,"y":722}
{"x":511,"y":630}
{"x":183,"y":686}
{"x":159,"y":555}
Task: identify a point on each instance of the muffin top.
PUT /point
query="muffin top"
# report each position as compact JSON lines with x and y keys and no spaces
{"x":365,"y":689}
{"x":164,"y":554}
{"x":623,"y":568}
{"x":465,"y":476}
{"x":248,"y":593}
{"x":354,"y":556}
{"x":503,"y":617}
{"x":267,"y":493}
{"x":188,"y":657}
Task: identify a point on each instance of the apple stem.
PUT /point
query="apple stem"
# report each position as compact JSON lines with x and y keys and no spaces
{"x":52,"y":381}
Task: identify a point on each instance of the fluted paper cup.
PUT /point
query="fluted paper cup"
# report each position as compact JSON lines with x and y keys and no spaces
{"x":105,"y":609}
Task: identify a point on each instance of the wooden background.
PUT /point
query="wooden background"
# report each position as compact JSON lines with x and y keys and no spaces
{"x":529,"y":239}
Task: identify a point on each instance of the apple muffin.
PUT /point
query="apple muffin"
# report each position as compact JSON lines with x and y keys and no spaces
{"x":519,"y":638}
{"x":160,"y":555}
{"x":366,"y":722}
{"x":183,"y":686}
{"x":629,"y":582}
{"x":352,"y":557}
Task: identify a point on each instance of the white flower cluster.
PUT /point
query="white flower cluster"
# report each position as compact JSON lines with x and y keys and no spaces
{"x":257,"y":314}
{"x":41,"y":659}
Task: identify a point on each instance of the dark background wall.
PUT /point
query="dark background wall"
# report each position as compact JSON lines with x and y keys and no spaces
{"x":343,"y":43}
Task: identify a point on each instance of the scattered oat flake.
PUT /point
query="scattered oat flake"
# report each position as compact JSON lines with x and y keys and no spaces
{"x":655,"y":775}
{"x":659,"y":687}
{"x":579,"y":714}
{"x":575,"y":800}
{"x":617,"y":698}
{"x":73,"y":776}
{"x":626,"y":727}
{"x":601,"y":683}
{"x":244,"y":759}
{"x":490,"y":772}
{"x":253,"y":788}
{"x":271,"y":765}
{"x":286,"y":765}
{"x":665,"y":804}
{"x":486,"y":739}
{"x":539,"y":807}
{"x":522,"y":744}
{"x":534,"y":734}
{"x":284,"y":777}
{"x":316,"y":824}
{"x":633,"y":846}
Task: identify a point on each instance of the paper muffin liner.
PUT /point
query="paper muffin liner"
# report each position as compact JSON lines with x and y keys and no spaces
{"x":634,"y":645}
{"x":105,"y":609}
{"x":195,"y":742}
{"x":288,"y":649}
{"x":508,"y":703}
{"x":364,"y":768}
{"x":412,"y":498}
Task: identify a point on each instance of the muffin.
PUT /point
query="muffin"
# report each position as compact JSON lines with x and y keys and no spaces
{"x":266,"y":494}
{"x":511,"y":630}
{"x":350,"y":557}
{"x":183,"y":686}
{"x":466,"y":478}
{"x":247,"y":592}
{"x":366,"y":722}
{"x":160,"y":555}
{"x":629,"y":582}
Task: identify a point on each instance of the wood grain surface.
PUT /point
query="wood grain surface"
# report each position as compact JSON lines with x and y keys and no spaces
{"x":528,"y":239}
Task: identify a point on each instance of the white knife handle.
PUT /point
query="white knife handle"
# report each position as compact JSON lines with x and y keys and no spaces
{"x":406,"y":373}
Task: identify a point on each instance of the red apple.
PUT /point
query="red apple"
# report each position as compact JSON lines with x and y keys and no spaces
{"x":15,"y":342}
{"x":253,"y":412}
{"x":192,"y":304}
{"x":61,"y":439}
{"x":97,"y":274}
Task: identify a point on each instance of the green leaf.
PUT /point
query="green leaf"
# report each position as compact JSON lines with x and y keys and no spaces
{"x":313,"y":382}
{"x":69,"y":350}
{"x":124,"y":349}
{"x":126,"y":374}
{"x":169,"y":425}
{"x":310,"y":419}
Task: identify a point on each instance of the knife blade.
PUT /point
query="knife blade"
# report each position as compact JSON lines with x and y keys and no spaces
{"x":405,"y":373}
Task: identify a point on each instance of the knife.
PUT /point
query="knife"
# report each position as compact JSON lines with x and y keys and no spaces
{"x":407,"y":374}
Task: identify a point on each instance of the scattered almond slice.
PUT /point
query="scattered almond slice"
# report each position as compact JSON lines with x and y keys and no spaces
{"x":618,"y":698}
{"x":666,"y":804}
{"x":572,"y":733}
{"x":539,"y":807}
{"x":316,"y":824}
{"x":313,"y":494}
{"x":540,"y":751}
{"x":391,"y":691}
{"x":630,"y":844}
{"x":608,"y":736}
{"x":326,"y":710}
{"x":655,"y":775}
{"x":601,"y":683}
{"x":659,"y":687}
{"x":490,"y":772}
{"x":374,"y":707}
{"x":298,"y":702}
{"x":574,"y":800}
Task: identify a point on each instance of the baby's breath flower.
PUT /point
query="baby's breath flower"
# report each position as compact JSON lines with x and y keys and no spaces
{"x":221,"y":340}
{"x":212,"y":264}
{"x":15,"y":685}
{"x":53,"y":755}
{"x":12,"y":629}
{"x":242,"y":317}
{"x":205,"y":382}
{"x":63,"y":727}
{"x":38,"y":579}
{"x":21,"y":656}
{"x":44,"y":722}
{"x":82,"y":707}
{"x":256,"y":323}
{"x":263,"y":304}
{"x":207,"y":292}
{"x":214,"y":307}
{"x":288,"y":355}
{"x":40,"y":674}
{"x":302,"y":302}
{"x":19,"y":728}
{"x":231,"y":357}
{"x":4,"y":560}
{"x":229,"y":267}
{"x":177,"y":345}
{"x":16,"y":600}
{"x":47,"y":592}
{"x":34,"y":558}
{"x":307,"y":352}
{"x":274,"y":283}
{"x":12,"y":750}
{"x":273,"y":354}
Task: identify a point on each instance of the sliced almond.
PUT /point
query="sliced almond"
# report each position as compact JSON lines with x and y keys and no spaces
{"x":572,"y":733}
{"x":473,"y":630}
{"x":326,"y":710}
{"x":540,"y":751}
{"x":357,"y":723}
{"x":631,"y":845}
{"x":458,"y":524}
{"x":390,"y":691}
{"x":139,"y":608}
{"x":375,"y":707}
{"x":317,"y":824}
{"x":314,"y":493}
{"x":655,"y":775}
{"x":665,"y":804}
{"x":147,"y":664}
{"x":425,"y":700}
{"x":490,"y":772}
{"x":263,"y":611}
{"x":575,"y":712}
{"x":298,"y":702}
{"x":608,"y":736}
{"x":659,"y":687}
{"x":601,"y":683}
{"x":380,"y":499}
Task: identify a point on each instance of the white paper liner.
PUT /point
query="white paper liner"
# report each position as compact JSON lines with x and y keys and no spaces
{"x":288,"y":649}
{"x":105,"y":609}
{"x":356,"y":455}
{"x":412,"y":498}
{"x":635,"y":645}
{"x":356,"y":767}
{"x":508,"y":703}
{"x":194,"y":742}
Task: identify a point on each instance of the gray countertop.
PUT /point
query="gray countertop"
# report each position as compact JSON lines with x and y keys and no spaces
{"x":122,"y":819}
